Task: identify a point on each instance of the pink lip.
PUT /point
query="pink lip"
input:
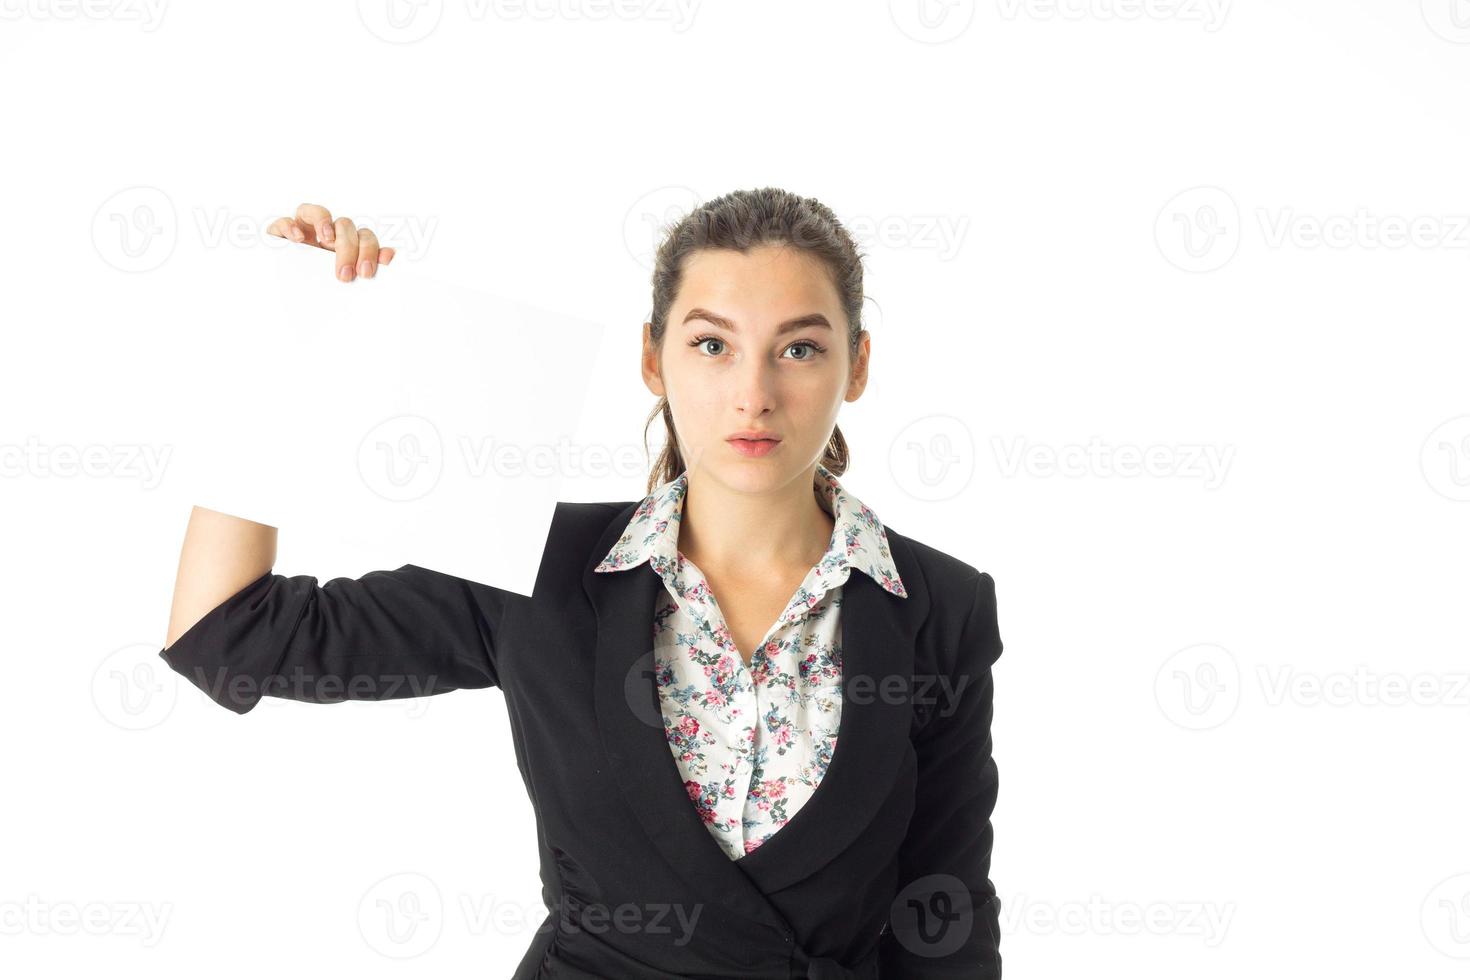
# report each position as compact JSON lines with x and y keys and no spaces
{"x":754,"y":447}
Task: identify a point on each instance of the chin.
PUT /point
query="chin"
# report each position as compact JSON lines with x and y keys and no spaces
{"x":753,"y":474}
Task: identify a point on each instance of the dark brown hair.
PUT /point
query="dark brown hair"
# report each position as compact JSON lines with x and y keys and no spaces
{"x":742,"y":220}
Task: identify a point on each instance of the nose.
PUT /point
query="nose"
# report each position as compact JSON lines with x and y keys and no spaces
{"x":755,"y":388}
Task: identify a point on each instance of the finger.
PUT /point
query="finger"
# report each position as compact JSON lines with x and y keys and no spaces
{"x":367,"y":253}
{"x":385,"y":255}
{"x":346,"y":235}
{"x":286,"y":228}
{"x":316,"y":222}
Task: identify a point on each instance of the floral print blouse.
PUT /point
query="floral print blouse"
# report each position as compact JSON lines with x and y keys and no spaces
{"x":752,"y":743}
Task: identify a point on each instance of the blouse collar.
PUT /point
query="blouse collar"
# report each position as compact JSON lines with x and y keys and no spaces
{"x":858,"y":538}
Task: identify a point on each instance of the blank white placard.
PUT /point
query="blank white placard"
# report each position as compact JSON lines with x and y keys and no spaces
{"x":397,"y":420}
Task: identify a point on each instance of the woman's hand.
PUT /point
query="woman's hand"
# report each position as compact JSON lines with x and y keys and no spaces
{"x":358,"y":251}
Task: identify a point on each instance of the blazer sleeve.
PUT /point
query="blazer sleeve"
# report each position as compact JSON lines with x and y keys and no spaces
{"x":404,"y":633}
{"x":946,"y":919}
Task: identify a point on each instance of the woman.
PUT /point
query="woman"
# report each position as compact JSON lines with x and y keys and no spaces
{"x":682,"y":752}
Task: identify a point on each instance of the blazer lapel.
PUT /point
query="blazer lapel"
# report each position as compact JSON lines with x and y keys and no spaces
{"x":872,"y":738}
{"x":877,"y":652}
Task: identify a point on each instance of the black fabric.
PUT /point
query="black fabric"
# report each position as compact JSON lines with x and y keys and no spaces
{"x":884,"y":872}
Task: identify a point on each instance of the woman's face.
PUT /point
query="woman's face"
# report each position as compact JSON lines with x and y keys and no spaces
{"x":755,"y":341}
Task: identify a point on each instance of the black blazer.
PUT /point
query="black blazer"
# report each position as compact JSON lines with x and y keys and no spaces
{"x":884,"y":872}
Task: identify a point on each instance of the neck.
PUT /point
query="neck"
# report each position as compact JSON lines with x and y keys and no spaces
{"x":784,"y":527}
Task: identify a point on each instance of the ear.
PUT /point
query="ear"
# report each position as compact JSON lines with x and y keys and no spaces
{"x":652,"y":377}
{"x":859,"y":381}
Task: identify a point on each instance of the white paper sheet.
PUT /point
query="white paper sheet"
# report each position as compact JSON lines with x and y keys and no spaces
{"x":382,"y":422}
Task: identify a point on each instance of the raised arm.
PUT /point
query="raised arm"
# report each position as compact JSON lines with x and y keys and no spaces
{"x":239,"y":632}
{"x":949,"y":923}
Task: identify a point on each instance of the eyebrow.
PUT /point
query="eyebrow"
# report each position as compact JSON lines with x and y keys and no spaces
{"x":724,"y":323}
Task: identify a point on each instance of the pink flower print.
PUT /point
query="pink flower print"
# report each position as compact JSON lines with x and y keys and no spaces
{"x":751,"y":845}
{"x":693,"y":789}
{"x":688,"y":726}
{"x":773,"y":789}
{"x":783,"y":734}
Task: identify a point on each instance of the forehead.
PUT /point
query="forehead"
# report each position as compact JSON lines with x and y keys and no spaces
{"x":765,"y":283}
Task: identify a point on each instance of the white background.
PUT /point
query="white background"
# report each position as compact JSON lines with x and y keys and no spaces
{"x":1232,"y":711}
